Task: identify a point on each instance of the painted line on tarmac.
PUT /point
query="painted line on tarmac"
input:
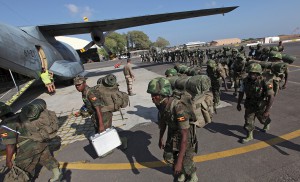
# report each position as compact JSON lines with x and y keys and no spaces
{"x":294,"y":66}
{"x":294,"y":70}
{"x":297,"y":83}
{"x":201,"y":158}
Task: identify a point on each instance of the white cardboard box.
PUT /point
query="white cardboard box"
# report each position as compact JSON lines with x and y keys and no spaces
{"x":106,"y":141}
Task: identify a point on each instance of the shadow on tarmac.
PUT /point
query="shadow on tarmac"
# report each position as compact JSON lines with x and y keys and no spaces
{"x":145,"y":112}
{"x":136,"y":152}
{"x":258,"y":134}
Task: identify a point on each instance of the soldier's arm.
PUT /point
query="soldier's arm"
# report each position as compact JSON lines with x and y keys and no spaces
{"x":241,"y":95}
{"x":286,"y":74}
{"x":270,"y":99}
{"x":10,"y":150}
{"x":97,"y":105}
{"x":183,"y":120}
{"x":131,"y":72}
{"x":162,"y":129}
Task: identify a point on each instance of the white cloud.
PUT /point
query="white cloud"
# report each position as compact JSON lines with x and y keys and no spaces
{"x":72,"y":8}
{"x":212,"y":4}
{"x":87,"y":11}
{"x":80,"y":11}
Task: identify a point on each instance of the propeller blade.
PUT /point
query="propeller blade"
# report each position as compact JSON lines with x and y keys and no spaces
{"x":111,"y":55}
{"x":87,"y":47}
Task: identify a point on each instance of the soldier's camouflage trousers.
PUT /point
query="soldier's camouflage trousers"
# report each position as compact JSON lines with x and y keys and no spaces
{"x":106,"y":118}
{"x":129,"y":82}
{"x":32,"y":153}
{"x":215,"y":88}
{"x":171,"y":152}
{"x":251,"y":113}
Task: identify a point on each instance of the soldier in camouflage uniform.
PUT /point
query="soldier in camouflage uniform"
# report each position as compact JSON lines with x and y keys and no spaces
{"x":28,"y":152}
{"x":239,"y":72}
{"x":280,"y":46}
{"x":214,"y":73}
{"x":181,"y":143}
{"x":259,"y":99}
{"x":101,"y":120}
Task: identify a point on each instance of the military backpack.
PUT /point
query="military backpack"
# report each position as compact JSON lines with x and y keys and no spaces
{"x":40,"y":123}
{"x":194,"y":92}
{"x":107,"y":90}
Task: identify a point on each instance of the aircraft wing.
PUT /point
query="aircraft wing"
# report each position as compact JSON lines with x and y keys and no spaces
{"x":110,"y":25}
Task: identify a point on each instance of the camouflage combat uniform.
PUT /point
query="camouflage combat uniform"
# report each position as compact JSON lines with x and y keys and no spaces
{"x":255,"y":103}
{"x":215,"y":74}
{"x":177,"y":118}
{"x":91,"y":101}
{"x":29,"y":153}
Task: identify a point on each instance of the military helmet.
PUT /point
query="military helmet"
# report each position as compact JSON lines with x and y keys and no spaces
{"x":255,"y":68}
{"x":160,"y":86}
{"x":211,"y":63}
{"x":266,"y":49}
{"x":30,"y":112}
{"x":171,"y":72}
{"x":110,"y":80}
{"x":259,"y":45}
{"x":274,"y":48}
{"x":240,"y":57}
{"x":234,"y":50}
{"x":276,"y":55}
{"x":182,"y":69}
{"x":4,"y":109}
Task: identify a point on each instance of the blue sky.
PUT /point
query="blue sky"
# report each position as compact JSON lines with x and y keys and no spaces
{"x":254,"y":18}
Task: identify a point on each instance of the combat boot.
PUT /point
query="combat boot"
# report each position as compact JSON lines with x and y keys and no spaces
{"x":57,"y":175}
{"x":248,"y":138}
{"x":266,"y":127}
{"x":181,"y":178}
{"x":193,"y":177}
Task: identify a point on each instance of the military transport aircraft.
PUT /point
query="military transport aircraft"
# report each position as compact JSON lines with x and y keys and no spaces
{"x":25,"y":50}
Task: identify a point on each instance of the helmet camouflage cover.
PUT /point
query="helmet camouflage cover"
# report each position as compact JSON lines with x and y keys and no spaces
{"x":171,"y":72}
{"x":160,"y":86}
{"x":4,"y":109}
{"x":211,"y":63}
{"x":255,"y":68}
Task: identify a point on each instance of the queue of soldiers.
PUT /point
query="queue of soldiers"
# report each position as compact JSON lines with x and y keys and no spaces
{"x":186,"y":99}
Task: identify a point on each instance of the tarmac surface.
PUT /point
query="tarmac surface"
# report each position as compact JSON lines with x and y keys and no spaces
{"x":272,"y":156}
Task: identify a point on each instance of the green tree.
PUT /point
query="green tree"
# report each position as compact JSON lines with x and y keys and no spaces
{"x":138,"y":40}
{"x":120,"y":42}
{"x":161,"y":42}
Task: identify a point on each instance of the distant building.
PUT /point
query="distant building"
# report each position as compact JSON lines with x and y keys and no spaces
{"x":269,"y":40}
{"x":222,"y":42}
{"x":194,"y":45}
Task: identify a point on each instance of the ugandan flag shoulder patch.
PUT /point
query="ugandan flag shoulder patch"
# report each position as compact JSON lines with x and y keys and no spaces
{"x":94,"y":98}
{"x":181,"y":119}
{"x":4,"y":135}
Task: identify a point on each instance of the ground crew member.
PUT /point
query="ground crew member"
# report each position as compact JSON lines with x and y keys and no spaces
{"x":180,"y":146}
{"x":129,"y":77}
{"x":47,"y":78}
{"x":101,"y":120}
{"x":28,"y":152}
{"x":215,"y":73}
{"x":259,"y":99}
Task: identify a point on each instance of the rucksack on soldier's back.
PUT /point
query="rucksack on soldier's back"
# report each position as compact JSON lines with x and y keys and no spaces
{"x":194,"y":93}
{"x":107,"y":90}
{"x":40,"y":123}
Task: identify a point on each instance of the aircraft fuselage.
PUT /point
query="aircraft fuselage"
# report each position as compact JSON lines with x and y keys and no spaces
{"x":20,"y":52}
